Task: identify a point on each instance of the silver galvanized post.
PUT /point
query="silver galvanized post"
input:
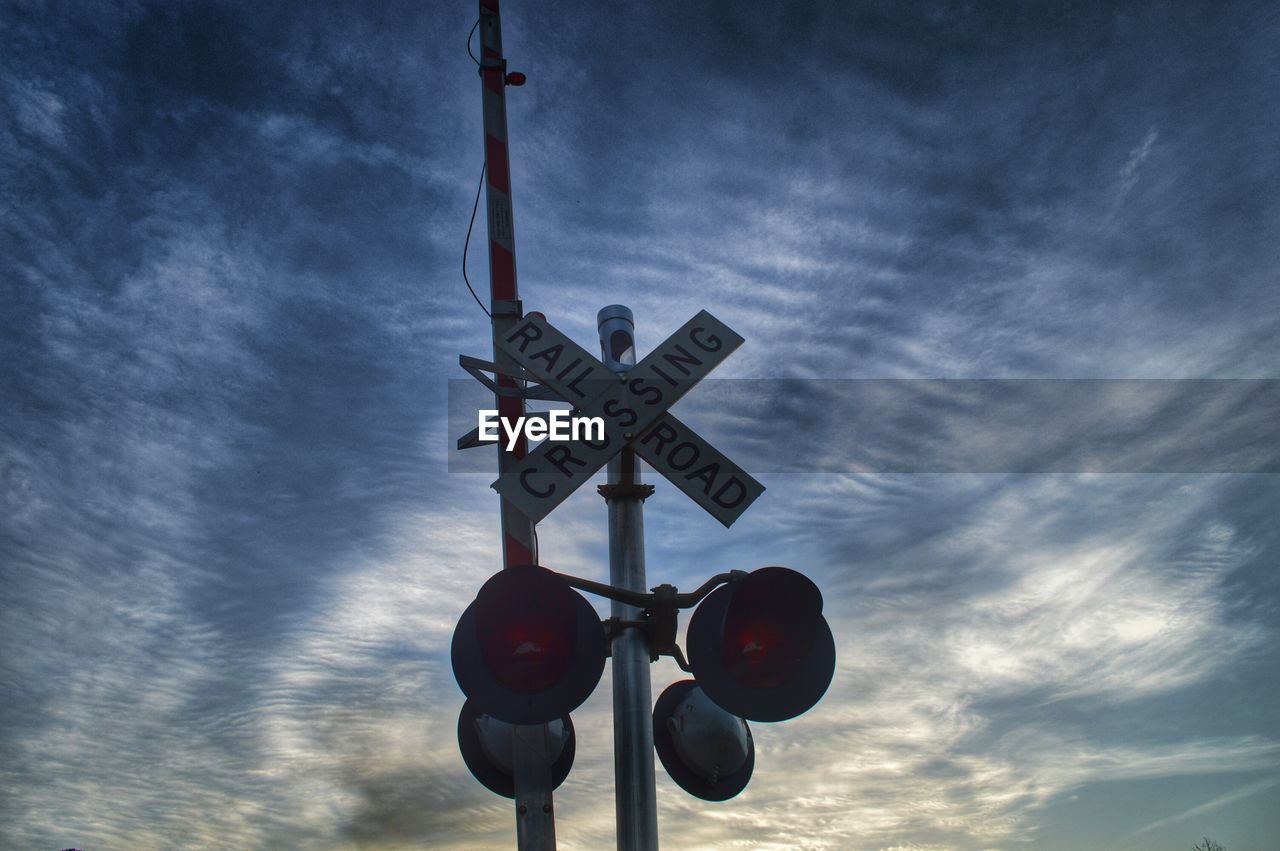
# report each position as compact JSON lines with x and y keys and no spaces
{"x":636,"y":800}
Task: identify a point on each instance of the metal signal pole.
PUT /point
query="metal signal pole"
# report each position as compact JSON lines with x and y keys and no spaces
{"x":530,"y":760}
{"x":635,"y":794}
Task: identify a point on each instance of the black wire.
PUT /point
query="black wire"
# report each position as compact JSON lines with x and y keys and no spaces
{"x":476,"y":205}
{"x":467,"y":244}
{"x":473,"y":32}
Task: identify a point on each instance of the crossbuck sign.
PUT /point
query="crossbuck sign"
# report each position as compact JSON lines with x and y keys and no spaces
{"x":634,"y":406}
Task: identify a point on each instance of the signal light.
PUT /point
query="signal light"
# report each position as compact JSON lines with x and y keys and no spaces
{"x":708,"y":752}
{"x":529,"y":649}
{"x":760,"y":647}
{"x":486,"y":744}
{"x":516,"y":78}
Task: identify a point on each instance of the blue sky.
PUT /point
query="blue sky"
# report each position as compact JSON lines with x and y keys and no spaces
{"x":232,"y":549}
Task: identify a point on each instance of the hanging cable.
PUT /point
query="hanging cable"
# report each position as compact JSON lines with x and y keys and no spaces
{"x":473,"y":32}
{"x":467,"y":244}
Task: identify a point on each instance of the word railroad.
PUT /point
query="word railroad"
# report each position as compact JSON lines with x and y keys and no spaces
{"x":631,"y":409}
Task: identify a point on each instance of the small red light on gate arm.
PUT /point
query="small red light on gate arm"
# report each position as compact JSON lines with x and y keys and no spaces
{"x":515,"y":78}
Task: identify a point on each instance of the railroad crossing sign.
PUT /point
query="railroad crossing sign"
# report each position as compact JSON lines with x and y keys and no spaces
{"x":634,"y":408}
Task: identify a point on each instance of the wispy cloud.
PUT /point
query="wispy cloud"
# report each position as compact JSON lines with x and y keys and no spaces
{"x":1129,"y":173}
{"x":232,"y":553}
{"x":1243,"y":792}
{"x":1048,"y":612}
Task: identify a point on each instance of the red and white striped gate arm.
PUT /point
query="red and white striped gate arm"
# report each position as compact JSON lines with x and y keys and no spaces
{"x":530,"y":758}
{"x":517,"y":530}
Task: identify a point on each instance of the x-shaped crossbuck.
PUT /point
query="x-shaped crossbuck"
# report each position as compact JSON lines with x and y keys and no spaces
{"x":634,"y":407}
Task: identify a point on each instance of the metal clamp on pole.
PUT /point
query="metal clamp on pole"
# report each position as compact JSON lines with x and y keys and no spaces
{"x":659,"y":611}
{"x":624,"y":491}
{"x":641,"y":600}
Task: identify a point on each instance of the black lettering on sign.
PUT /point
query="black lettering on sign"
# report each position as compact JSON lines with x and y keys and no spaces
{"x":597,"y":445}
{"x":648,"y":393}
{"x":692,"y":454}
{"x":561,"y":457}
{"x":616,"y":410}
{"x":663,"y":375}
{"x":573,"y":385}
{"x":706,"y":475}
{"x":530,"y":489}
{"x":723,"y":501}
{"x":663,"y":433}
{"x":679,"y":362}
{"x":706,"y":342}
{"x":526,"y":333}
{"x":569,"y":368}
{"x":550,"y":354}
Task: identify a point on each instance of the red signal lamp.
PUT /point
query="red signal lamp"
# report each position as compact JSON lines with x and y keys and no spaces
{"x":529,"y":649}
{"x":515,"y":78}
{"x":760,"y":647}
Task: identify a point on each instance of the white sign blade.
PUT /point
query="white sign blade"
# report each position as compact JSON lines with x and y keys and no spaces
{"x":705,"y":475}
{"x":681,"y":361}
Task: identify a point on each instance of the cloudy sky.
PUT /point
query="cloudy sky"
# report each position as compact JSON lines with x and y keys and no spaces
{"x":233,"y":542}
